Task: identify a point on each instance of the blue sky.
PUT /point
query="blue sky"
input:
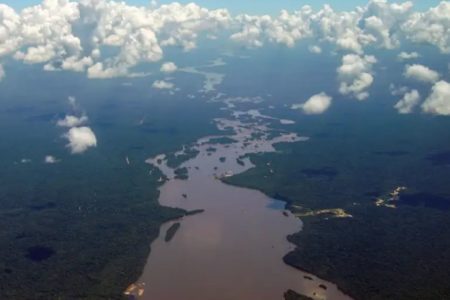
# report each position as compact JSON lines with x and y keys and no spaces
{"x":252,"y":6}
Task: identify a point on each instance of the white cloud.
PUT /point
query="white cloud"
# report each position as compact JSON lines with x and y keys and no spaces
{"x":317,"y":104}
{"x":163,"y":85}
{"x":76,"y":64}
{"x":49,"y":159}
{"x":432,"y":27}
{"x":72,"y":121}
{"x":339,"y":28}
{"x":379,"y":23}
{"x":9,"y":25}
{"x":315,"y":49}
{"x":169,"y":67}
{"x":99,"y":71}
{"x":45,"y":33}
{"x":406,"y":56}
{"x":355,"y":75}
{"x":438,"y":103}
{"x":421,"y":73}
{"x":40,"y":33}
{"x":140,"y":33}
{"x":409,"y":101}
{"x":251,"y":32}
{"x":398,"y":91}
{"x":80,"y":139}
{"x":382,"y":21}
{"x":73,"y":102}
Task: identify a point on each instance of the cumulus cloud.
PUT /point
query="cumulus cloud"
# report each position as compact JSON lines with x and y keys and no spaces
{"x":50,"y":159}
{"x":421,"y":73}
{"x":438,"y":103}
{"x":140,"y":33}
{"x":315,"y":49}
{"x":285,"y":29}
{"x":72,"y":121}
{"x":46,"y":34}
{"x":80,"y":139}
{"x":382,"y":22}
{"x":99,"y":71}
{"x":169,"y":67}
{"x":163,"y":85}
{"x":40,"y":33}
{"x":398,"y":90}
{"x":409,"y":101}
{"x":315,"y":105}
{"x":379,"y":24}
{"x":431,"y":27}
{"x":355,"y":75}
{"x":406,"y":56}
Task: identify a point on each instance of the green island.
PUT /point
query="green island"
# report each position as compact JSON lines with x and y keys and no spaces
{"x":174,"y":161}
{"x":225,"y":140}
{"x":291,"y":295}
{"x":194,"y":212}
{"x":170,"y":233}
{"x":181,"y":173}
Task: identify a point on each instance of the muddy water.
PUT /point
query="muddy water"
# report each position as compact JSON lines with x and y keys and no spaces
{"x":234,"y":249}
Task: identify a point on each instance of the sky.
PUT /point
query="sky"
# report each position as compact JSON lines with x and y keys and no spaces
{"x":252,"y":6}
{"x":111,"y":41}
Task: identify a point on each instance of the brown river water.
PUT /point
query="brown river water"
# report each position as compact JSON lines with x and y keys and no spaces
{"x":234,"y":249}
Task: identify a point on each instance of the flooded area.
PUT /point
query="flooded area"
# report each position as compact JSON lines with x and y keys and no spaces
{"x":234,"y":248}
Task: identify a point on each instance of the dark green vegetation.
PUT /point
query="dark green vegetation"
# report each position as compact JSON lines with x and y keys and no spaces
{"x":82,"y":228}
{"x":380,"y":253}
{"x":91,"y":216}
{"x":182,"y":173}
{"x":320,"y":173}
{"x":211,"y":149}
{"x":170,"y":233}
{"x":291,"y":295}
{"x":222,"y":140}
{"x":194,"y":212}
{"x":440,"y":158}
{"x":425,"y":200}
{"x":174,"y":161}
{"x":240,"y":162}
{"x":392,"y":153}
{"x":39,"y":253}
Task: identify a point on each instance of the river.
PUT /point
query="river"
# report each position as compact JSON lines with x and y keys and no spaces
{"x":234,"y":249}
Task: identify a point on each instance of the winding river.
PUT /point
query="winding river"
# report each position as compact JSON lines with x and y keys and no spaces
{"x":234,"y":249}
